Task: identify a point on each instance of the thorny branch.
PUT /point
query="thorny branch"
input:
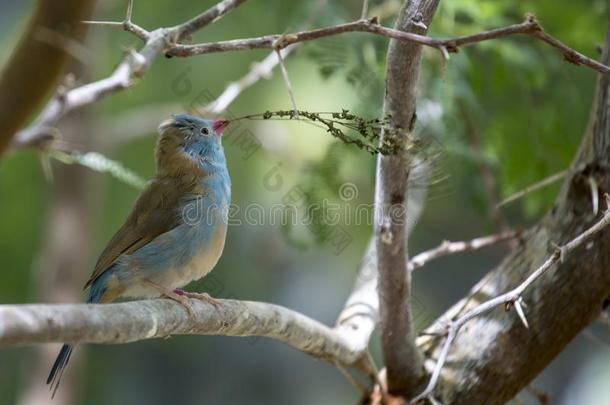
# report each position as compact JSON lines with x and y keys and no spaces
{"x":335,"y":345}
{"x":258,"y":70}
{"x":165,"y":40}
{"x":134,"y":65}
{"x":512,"y":298}
{"x":529,"y":27}
{"x":447,"y":247}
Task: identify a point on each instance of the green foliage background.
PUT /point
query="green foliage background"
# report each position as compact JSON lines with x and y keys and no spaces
{"x":527,"y":106}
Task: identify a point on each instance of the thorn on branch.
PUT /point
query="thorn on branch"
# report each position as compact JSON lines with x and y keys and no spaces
{"x":45,"y":163}
{"x":104,"y":23}
{"x":418,"y":21}
{"x":512,"y":297}
{"x":126,"y":24}
{"x":445,"y":52}
{"x":129,"y":11}
{"x":519,"y":303}
{"x":594,"y":194}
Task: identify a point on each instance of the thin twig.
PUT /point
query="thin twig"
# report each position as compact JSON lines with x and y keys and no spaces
{"x":287,"y":82}
{"x":534,"y":187}
{"x":365,"y":10}
{"x":164,"y":40}
{"x":529,"y":27}
{"x":370,"y":26}
{"x":129,"y":12}
{"x":211,"y":15}
{"x":104,"y":23}
{"x":134,"y":65}
{"x":258,"y":71}
{"x":509,"y":298}
{"x":447,"y":247}
{"x":127,"y":24}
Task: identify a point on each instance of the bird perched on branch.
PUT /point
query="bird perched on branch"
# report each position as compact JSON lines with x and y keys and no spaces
{"x":176,"y":231}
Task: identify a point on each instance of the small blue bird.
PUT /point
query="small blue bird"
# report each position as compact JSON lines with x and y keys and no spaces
{"x":176,"y":231}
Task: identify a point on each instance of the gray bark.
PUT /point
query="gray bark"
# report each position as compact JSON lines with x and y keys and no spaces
{"x":495,"y":356}
{"x":402,"y":358}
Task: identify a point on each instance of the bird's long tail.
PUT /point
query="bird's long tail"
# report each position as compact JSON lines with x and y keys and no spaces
{"x":96,"y":294}
{"x":58,"y":368}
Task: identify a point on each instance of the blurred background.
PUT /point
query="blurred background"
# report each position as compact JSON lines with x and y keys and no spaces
{"x":496,"y":117}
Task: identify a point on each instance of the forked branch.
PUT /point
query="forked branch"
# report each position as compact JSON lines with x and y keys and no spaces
{"x":510,"y":299}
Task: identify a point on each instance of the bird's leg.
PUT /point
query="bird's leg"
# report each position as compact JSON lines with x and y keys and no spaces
{"x":199,"y":296}
{"x":182,"y":299}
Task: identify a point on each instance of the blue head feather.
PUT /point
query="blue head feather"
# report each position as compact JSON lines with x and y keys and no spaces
{"x":186,"y":140}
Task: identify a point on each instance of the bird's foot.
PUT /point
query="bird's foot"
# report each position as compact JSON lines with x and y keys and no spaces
{"x":182,"y":300}
{"x":175,"y":296}
{"x":199,"y":296}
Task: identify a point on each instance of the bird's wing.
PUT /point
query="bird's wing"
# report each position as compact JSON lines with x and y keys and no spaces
{"x":155,"y":212}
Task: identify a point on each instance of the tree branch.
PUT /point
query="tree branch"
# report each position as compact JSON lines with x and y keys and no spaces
{"x":512,"y":298}
{"x":402,"y":358}
{"x":555,"y":177}
{"x":529,"y":27}
{"x":258,"y":70}
{"x":361,"y":311}
{"x":164,"y":40}
{"x":209,"y":16}
{"x":159,"y":318}
{"x":134,"y":65}
{"x":494,"y":356}
{"x":360,"y":315}
{"x":447,"y":247}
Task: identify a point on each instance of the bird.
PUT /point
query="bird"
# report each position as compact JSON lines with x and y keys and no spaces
{"x":176,"y":230}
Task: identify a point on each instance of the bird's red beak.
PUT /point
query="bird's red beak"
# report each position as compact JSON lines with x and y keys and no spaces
{"x":220,"y":125}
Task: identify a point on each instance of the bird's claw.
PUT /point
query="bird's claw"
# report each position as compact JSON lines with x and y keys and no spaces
{"x":184,"y":301}
{"x":199,"y":296}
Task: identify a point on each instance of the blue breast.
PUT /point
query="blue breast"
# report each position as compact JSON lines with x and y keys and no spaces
{"x":203,"y":217}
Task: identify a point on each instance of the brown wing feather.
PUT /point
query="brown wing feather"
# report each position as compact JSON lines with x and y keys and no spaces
{"x":155,"y":212}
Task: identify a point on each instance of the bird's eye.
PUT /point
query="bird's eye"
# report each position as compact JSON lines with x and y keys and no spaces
{"x":205,"y":131}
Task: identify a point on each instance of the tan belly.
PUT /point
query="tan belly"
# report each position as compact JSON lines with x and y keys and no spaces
{"x":201,"y":264}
